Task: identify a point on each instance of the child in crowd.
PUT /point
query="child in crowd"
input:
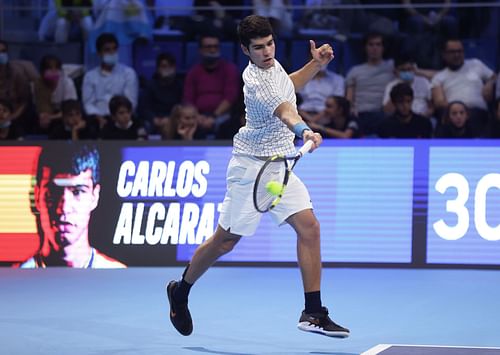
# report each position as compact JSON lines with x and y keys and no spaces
{"x":456,"y":123}
{"x":182,"y":124}
{"x":404,"y":123}
{"x":9,"y":130}
{"x":72,"y":126}
{"x":335,"y":120}
{"x":122,"y":126}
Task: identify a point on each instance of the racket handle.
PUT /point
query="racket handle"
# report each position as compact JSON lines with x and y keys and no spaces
{"x":305,"y":148}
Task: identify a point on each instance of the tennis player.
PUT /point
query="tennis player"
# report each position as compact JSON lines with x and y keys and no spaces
{"x":272,"y":122}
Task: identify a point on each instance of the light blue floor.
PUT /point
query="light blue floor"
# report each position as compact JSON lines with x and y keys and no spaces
{"x":241,"y":311}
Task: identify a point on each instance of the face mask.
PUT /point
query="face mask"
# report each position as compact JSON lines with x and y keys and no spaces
{"x":4,"y":58}
{"x":110,"y":59}
{"x":324,"y":68}
{"x":166,"y":73}
{"x":210,"y":59}
{"x":406,"y":75}
{"x":52,"y":77}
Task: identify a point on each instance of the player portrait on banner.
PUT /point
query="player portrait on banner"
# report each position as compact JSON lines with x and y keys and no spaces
{"x":65,"y":193}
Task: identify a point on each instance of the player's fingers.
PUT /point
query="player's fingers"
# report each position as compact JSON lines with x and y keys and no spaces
{"x":312,"y":44}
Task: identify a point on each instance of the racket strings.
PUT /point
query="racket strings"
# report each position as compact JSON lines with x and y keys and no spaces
{"x":273,"y":171}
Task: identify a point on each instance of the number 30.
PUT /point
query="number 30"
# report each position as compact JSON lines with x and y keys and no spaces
{"x":457,"y":206}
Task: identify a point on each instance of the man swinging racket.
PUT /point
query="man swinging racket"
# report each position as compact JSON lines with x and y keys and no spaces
{"x":272,"y":123}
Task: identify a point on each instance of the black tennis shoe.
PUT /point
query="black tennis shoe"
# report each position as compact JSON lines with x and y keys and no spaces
{"x":179,"y":312}
{"x":322,"y":324}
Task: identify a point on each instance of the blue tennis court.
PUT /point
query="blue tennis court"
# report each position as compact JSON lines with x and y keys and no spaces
{"x":246,"y":310}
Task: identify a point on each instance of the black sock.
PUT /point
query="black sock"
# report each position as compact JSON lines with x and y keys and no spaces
{"x":181,"y":293}
{"x":313,"y":301}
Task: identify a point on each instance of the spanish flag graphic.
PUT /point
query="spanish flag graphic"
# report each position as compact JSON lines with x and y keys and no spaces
{"x":18,"y":233}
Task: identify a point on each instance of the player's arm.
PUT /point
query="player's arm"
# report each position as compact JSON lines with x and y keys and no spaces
{"x":288,"y":115}
{"x":320,"y":56}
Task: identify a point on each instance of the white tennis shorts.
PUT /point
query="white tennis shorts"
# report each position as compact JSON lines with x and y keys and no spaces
{"x":238,"y":214}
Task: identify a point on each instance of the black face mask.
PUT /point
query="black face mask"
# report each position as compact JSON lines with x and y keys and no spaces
{"x":210,"y":59}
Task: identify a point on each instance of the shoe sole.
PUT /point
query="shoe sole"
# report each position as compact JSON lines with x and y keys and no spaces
{"x":306,"y":327}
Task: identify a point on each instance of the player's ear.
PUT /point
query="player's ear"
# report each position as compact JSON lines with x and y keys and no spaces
{"x":95,"y":195}
{"x":245,"y":50}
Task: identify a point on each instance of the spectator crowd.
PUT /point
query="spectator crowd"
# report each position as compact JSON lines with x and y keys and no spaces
{"x":389,"y":95}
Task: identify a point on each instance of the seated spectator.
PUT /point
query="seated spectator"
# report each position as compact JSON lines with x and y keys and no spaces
{"x":365,"y":85}
{"x":51,"y":89}
{"x":15,"y":88}
{"x":456,"y":122}
{"x":404,"y":69}
{"x":335,"y":120}
{"x":436,"y":19}
{"x":182,"y":124}
{"x":211,"y":17}
{"x":212,"y":86}
{"x":66,"y":20}
{"x":161,"y":94}
{"x":72,"y":125}
{"x":276,"y":11}
{"x":110,"y":78}
{"x":469,"y":81}
{"x":404,"y":123}
{"x":128,"y":19}
{"x":122,"y":126}
{"x":9,"y":130}
{"x":493,"y":130}
{"x":324,"y":84}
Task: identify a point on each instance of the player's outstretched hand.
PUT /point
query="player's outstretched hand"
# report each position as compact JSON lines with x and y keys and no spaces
{"x":315,"y":137}
{"x":323,"y":55}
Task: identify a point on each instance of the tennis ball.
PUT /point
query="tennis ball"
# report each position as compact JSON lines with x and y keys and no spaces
{"x":274,"y":187}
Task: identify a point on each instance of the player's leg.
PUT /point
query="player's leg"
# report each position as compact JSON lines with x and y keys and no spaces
{"x":315,"y":317}
{"x":205,"y":256}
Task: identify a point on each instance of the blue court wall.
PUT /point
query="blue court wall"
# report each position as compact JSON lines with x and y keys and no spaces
{"x":396,"y":203}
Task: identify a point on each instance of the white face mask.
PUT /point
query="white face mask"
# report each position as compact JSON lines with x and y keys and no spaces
{"x":166,"y":73}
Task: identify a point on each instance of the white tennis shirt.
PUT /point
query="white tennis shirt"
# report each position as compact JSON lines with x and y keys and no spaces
{"x":265,"y":134}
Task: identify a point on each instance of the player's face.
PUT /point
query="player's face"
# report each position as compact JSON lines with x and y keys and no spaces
{"x":403,"y":106}
{"x":458,"y":115}
{"x":261,"y":51}
{"x":65,"y":202}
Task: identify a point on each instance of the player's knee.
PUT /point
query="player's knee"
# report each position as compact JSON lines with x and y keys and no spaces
{"x":226,"y":246}
{"x":310,"y":230}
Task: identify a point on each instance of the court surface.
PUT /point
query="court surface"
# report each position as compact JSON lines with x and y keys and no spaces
{"x":244,"y":311}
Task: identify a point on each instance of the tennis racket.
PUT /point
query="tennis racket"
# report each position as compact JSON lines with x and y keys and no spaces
{"x":272,"y":178}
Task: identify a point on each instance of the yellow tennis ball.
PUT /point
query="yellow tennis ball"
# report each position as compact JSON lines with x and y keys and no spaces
{"x":274,"y":187}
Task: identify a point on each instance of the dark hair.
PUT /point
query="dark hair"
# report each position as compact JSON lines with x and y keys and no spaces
{"x":401,"y":90}
{"x":371,"y":35}
{"x":343,"y":103}
{"x":403,"y":58}
{"x":105,"y":38}
{"x":117,"y":102}
{"x":165,"y":56}
{"x":446,"y":116}
{"x":209,"y":34}
{"x":252,"y":27}
{"x":7,"y":104}
{"x":72,"y":158}
{"x":70,"y":105}
{"x":447,"y":40}
{"x":47,"y":60}
{"x":5,"y":44}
